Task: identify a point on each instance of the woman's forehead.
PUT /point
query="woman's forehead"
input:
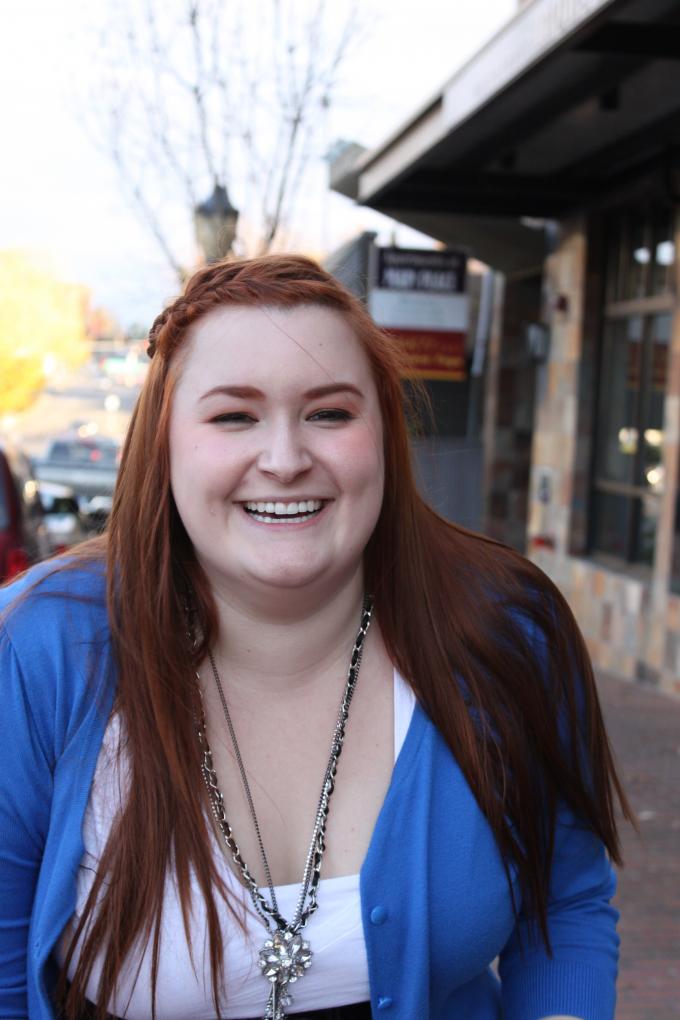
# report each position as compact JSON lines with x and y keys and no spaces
{"x":309,"y":340}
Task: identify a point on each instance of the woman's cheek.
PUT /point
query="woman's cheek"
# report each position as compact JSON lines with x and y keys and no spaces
{"x":363,"y":448}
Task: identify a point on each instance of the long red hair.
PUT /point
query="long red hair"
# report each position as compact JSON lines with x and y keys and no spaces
{"x":490,"y":647}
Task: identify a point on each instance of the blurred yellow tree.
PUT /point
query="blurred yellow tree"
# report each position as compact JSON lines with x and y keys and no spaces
{"x":42,"y":324}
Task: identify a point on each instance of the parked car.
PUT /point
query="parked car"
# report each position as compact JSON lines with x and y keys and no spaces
{"x":23,"y":533}
{"x":66,"y":524}
{"x":88,"y":465}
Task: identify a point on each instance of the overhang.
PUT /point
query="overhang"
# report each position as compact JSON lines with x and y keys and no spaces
{"x":568,"y":101}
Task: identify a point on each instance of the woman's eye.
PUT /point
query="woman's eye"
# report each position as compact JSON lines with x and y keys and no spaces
{"x":331,"y":414}
{"x":232,"y":418}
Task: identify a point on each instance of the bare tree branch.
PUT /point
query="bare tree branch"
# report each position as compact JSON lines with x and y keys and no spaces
{"x":148,"y":216}
{"x":200,"y":93}
{"x":198,"y":90}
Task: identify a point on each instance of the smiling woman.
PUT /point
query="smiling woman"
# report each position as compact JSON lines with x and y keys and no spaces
{"x":179,"y":833}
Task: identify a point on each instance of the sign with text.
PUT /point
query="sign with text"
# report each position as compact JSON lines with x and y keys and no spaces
{"x":419,"y":297}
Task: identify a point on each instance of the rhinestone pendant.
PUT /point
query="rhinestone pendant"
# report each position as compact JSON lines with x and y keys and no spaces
{"x":276,"y":1003}
{"x":284,"y":958}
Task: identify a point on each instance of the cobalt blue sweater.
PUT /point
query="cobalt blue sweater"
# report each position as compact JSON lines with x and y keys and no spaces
{"x":435,"y":900}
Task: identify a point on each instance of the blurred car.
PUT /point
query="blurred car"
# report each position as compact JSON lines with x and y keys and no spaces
{"x":23,"y":534}
{"x":87,"y":464}
{"x":96,"y":512}
{"x":66,"y":525}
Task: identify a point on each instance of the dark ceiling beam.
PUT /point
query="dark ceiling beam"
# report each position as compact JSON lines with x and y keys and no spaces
{"x":626,"y":38}
{"x":637,"y":149}
{"x":544,"y":108}
{"x":487,"y":194}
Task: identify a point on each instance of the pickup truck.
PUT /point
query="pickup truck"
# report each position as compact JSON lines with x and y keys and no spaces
{"x":87,"y":465}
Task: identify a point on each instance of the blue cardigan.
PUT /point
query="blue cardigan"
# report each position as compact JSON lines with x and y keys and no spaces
{"x":435,"y":901}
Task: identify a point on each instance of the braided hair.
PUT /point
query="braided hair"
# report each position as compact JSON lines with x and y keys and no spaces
{"x":240,"y":282}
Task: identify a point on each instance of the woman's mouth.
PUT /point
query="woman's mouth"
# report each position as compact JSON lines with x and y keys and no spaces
{"x":284,"y":513}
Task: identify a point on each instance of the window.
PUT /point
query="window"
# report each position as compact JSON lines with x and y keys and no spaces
{"x":675,"y":555}
{"x":640,"y":253}
{"x":628,"y":472}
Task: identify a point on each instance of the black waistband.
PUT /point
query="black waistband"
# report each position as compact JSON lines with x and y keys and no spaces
{"x":357,"y":1011}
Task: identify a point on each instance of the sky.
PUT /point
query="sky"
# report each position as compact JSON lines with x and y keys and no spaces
{"x":60,"y":197}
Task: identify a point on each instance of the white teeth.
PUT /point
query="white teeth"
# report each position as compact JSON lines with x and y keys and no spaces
{"x":280,"y":509}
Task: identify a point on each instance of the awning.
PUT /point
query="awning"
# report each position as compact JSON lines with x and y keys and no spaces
{"x":570,"y":99}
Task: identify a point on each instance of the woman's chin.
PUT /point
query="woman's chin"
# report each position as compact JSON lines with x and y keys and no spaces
{"x":255,"y":580}
{"x":288,"y":578}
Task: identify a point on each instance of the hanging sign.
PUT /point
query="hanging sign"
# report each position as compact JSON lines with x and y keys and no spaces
{"x":419,"y":297}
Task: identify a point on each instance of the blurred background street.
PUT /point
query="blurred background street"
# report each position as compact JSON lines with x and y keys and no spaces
{"x":87,"y":395}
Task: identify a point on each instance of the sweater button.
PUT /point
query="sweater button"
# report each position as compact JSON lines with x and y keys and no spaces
{"x":379,"y":916}
{"x":384,"y":1002}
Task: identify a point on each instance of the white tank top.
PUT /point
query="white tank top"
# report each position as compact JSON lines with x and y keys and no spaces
{"x":337,"y":977}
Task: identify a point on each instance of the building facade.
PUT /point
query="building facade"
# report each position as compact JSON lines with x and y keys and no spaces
{"x":554,"y":156}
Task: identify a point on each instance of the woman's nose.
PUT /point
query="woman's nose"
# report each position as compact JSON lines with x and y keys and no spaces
{"x":284,"y":453}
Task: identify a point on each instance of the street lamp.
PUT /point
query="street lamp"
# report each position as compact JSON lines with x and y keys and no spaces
{"x":215,"y":222}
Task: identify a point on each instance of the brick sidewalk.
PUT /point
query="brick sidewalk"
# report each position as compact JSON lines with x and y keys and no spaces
{"x":644,"y":728}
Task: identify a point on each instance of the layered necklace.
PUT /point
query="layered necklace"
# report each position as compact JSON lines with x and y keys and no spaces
{"x":285,"y":955}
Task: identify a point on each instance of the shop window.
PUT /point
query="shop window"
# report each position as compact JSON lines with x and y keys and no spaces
{"x":662,"y":252}
{"x":675,"y":556}
{"x":641,"y":253}
{"x":628,"y":480}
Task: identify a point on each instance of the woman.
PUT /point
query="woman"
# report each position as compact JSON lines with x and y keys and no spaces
{"x":178,"y":835}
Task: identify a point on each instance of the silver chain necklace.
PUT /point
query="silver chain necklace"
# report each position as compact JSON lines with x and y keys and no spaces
{"x":285,"y":956}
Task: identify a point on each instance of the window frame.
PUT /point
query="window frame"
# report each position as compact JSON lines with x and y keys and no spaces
{"x":616,"y":308}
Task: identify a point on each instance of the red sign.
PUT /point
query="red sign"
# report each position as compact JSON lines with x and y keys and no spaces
{"x":432,"y":354}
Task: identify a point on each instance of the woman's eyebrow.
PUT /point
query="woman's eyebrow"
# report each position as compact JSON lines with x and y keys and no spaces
{"x":242,"y":392}
{"x":331,"y":388}
{"x":252,"y":393}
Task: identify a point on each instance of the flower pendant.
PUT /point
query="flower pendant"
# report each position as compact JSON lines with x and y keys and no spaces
{"x":284,"y":958}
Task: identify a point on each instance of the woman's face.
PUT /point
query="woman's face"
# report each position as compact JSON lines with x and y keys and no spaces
{"x":276,"y":448}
